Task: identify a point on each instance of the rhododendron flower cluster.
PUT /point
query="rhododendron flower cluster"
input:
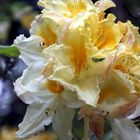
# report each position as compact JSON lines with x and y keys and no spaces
{"x":78,"y":56}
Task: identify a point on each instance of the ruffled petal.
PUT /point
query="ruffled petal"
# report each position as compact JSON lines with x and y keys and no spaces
{"x":29,"y":86}
{"x":35,"y":25}
{"x":103,"y":5}
{"x":116,"y":91}
{"x":67,"y":8}
{"x":48,"y":26}
{"x":30,"y":50}
{"x":87,"y":88}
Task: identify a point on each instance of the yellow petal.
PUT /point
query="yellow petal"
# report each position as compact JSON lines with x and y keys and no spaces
{"x":103,"y":5}
{"x":46,"y":28}
{"x":47,"y":33}
{"x":78,"y":50}
{"x":115,"y":91}
{"x":104,"y":34}
{"x":68,"y":8}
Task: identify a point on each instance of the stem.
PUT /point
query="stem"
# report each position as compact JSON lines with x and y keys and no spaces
{"x":86,"y":128}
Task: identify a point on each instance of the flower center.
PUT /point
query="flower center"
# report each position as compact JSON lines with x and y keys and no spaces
{"x":55,"y":87}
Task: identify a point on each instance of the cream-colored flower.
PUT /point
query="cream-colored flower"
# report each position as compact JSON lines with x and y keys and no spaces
{"x":117,"y":99}
{"x":120,"y":85}
{"x":98,"y":81}
{"x":116,"y":90}
{"x":74,"y":73}
{"x":77,"y":57}
{"x":44,"y":31}
{"x":71,"y":8}
{"x":83,"y":54}
{"x":49,"y":102}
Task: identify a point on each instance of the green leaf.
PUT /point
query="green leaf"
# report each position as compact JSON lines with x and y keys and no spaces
{"x":94,"y":59}
{"x":9,"y":51}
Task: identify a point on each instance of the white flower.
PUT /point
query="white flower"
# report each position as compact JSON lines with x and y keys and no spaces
{"x":48,"y":102}
{"x":83,"y":56}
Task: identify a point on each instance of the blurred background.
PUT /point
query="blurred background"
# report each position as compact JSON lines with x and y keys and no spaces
{"x":15,"y":19}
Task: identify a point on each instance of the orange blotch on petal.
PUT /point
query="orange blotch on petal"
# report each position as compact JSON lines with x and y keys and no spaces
{"x":120,"y":67}
{"x":78,"y":57}
{"x":55,"y":87}
{"x":78,"y":51}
